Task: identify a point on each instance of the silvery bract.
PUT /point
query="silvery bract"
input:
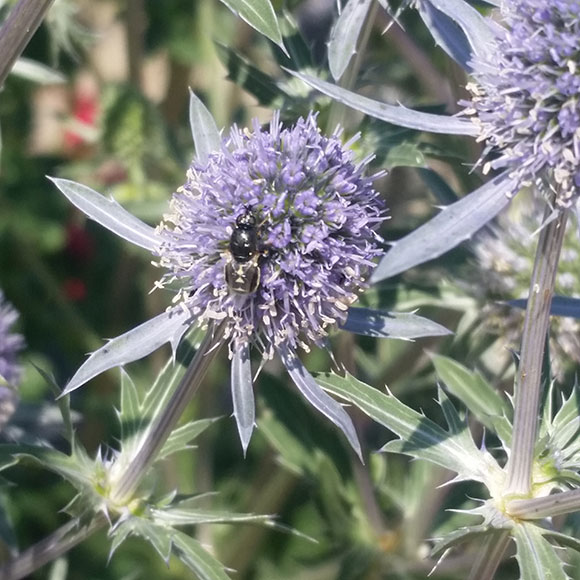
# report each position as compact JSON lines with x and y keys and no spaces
{"x":313,"y":216}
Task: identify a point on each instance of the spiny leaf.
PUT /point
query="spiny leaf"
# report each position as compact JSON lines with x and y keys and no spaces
{"x":419,"y":436}
{"x":401,"y":325}
{"x":397,"y":115}
{"x":454,"y":224}
{"x":537,"y":558}
{"x":458,"y":28}
{"x":109,"y":214}
{"x":181,"y":437}
{"x":133,"y":345}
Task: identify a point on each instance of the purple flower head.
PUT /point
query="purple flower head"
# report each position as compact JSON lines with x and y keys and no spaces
{"x":10,"y":344}
{"x":309,"y":248}
{"x":268,"y":243}
{"x":527,"y":96}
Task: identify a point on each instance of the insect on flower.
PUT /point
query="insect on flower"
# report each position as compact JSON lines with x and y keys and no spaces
{"x":273,"y":236}
{"x":242,"y":270}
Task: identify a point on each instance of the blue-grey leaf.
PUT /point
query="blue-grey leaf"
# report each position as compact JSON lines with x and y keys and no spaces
{"x":454,"y":224}
{"x":458,"y":28}
{"x":243,"y":393}
{"x":204,"y":131}
{"x":109,"y":214}
{"x":344,"y":35}
{"x":561,"y":305}
{"x":133,"y":345}
{"x":398,"y":115}
{"x":321,"y":401}
{"x":406,"y":326}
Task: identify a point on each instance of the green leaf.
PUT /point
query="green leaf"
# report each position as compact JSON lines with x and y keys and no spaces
{"x":259,"y":14}
{"x":158,"y":536}
{"x":182,"y":436}
{"x":63,"y":404}
{"x":537,"y":558}
{"x":460,"y":536}
{"x":405,"y":155}
{"x":190,"y":552}
{"x":129,"y":415}
{"x":253,"y":80}
{"x":471,"y":389}
{"x":182,"y":515}
{"x":419,"y":436}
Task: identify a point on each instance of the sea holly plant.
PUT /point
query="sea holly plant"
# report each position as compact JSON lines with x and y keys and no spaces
{"x":524,"y":110}
{"x":100,"y":482}
{"x":497,"y":517}
{"x":270,"y":240}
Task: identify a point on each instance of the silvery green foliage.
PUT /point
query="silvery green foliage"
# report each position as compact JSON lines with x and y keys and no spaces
{"x":556,"y":476}
{"x":155,"y":518}
{"x":315,"y":213}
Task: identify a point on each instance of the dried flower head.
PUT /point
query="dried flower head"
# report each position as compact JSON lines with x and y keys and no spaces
{"x":505,"y":263}
{"x":274,"y":233}
{"x":526,"y":98}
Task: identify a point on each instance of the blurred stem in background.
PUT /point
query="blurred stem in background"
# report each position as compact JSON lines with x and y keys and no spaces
{"x":17,"y":30}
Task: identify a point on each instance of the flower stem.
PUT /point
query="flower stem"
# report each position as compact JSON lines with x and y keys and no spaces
{"x":545,"y":507}
{"x":167,"y":420}
{"x":17,"y":30}
{"x":528,"y":385}
{"x":490,"y":555}
{"x":50,"y":548}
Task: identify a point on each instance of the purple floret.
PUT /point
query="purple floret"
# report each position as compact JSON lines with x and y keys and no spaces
{"x":316,"y":215}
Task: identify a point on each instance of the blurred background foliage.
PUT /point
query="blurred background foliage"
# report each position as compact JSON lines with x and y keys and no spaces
{"x":118,"y":122}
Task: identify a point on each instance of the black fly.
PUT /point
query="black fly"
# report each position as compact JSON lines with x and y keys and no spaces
{"x":242,"y":271}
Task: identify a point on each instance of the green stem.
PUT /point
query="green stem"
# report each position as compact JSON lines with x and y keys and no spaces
{"x":162,"y":428}
{"x":17,"y":30}
{"x":490,"y":555}
{"x":52,"y":547}
{"x":528,"y":385}
{"x":545,"y":507}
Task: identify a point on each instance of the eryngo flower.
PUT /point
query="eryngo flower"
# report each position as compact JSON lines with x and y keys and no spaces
{"x":271,"y":238}
{"x":11,"y":344}
{"x":526,"y":95}
{"x":307,"y":217}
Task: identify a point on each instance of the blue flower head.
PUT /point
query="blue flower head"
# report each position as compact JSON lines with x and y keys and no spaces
{"x":526,"y":98}
{"x":271,"y":238}
{"x":314,"y":217}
